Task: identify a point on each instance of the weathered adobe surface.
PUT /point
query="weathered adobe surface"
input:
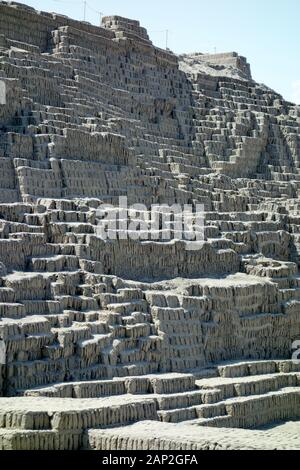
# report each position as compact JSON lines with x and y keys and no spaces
{"x":92,"y":114}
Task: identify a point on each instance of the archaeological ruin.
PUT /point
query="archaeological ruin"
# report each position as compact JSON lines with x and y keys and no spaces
{"x":127,"y":343}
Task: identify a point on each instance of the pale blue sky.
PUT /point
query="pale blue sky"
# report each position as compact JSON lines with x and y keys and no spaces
{"x":267,"y":32}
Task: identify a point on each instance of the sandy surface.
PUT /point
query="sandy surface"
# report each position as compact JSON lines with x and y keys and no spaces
{"x":53,"y":405}
{"x":285,"y":436}
{"x":194,"y":63}
{"x":179,"y":284}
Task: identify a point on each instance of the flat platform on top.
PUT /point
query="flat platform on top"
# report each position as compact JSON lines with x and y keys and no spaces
{"x":54,"y":405}
{"x":152,"y":435}
{"x":214,"y":382}
{"x":179,"y":283}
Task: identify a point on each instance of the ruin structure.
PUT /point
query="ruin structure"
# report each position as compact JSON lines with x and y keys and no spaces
{"x":107,"y":343}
